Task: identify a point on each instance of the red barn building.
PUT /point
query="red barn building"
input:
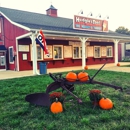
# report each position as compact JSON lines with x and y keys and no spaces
{"x":71,"y":42}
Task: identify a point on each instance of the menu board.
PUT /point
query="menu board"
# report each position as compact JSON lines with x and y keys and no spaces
{"x":103,"y":51}
{"x":67,"y":51}
{"x":90,"y":51}
{"x":50,"y":52}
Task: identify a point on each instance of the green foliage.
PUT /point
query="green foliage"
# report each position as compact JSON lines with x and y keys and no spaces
{"x":126,"y":59}
{"x":123,"y":30}
{"x":17,"y":114}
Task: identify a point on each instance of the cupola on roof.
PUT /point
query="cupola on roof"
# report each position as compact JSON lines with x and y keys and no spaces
{"x":51,"y":7}
{"x":52,"y":11}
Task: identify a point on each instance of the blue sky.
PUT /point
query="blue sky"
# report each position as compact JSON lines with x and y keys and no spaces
{"x":117,"y":10}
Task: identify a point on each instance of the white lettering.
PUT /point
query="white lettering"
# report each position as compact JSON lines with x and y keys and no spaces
{"x":87,"y":20}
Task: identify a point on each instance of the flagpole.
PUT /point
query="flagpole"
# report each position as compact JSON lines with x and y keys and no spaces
{"x":34,"y":52}
{"x":36,"y":71}
{"x":40,"y":39}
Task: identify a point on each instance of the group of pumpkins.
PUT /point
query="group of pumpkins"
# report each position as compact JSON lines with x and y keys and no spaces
{"x":81,"y":76}
{"x":104,"y":103}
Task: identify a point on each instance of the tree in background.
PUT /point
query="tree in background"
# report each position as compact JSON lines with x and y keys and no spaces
{"x":123,"y":30}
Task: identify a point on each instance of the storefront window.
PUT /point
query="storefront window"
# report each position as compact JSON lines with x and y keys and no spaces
{"x":11,"y":60}
{"x":58,"y":52}
{"x":77,"y":52}
{"x":109,"y":51}
{"x":39,"y":53}
{"x":81,"y":51}
{"x":97,"y":51}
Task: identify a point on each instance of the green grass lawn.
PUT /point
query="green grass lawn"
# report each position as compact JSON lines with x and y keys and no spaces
{"x":17,"y":114}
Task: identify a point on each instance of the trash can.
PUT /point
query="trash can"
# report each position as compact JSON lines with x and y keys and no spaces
{"x":43,"y":67}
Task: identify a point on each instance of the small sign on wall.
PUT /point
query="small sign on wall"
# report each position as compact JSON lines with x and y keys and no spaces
{"x":24,"y":48}
{"x":74,"y":43}
{"x":24,"y":56}
{"x":78,"y":43}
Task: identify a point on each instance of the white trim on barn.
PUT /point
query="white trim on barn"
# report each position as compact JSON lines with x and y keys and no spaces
{"x":17,"y":38}
{"x":14,"y":23}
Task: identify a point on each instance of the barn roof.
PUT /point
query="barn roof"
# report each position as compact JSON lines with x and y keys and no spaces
{"x":35,"y":21}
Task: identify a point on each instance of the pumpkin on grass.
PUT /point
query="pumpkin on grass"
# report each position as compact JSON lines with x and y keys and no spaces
{"x":118,"y":64}
{"x":83,"y":76}
{"x":56,"y":107}
{"x":86,"y":67}
{"x":71,"y":76}
{"x":106,"y":103}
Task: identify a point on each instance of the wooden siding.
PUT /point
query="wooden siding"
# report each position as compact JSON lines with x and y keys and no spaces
{"x":66,"y":62}
{"x":10,"y":33}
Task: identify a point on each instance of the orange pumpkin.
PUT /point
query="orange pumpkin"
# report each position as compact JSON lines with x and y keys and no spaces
{"x":118,"y":64}
{"x":105,"y":103}
{"x":71,"y":76}
{"x":83,"y":76}
{"x":56,"y":107}
{"x":86,"y":67}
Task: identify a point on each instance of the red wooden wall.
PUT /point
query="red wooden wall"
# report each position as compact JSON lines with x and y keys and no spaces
{"x":10,"y":32}
{"x":67,"y":62}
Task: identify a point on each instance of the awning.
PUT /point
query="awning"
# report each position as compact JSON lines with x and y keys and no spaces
{"x":2,"y":48}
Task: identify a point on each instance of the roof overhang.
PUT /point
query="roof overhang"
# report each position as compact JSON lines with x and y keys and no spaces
{"x":75,"y":36}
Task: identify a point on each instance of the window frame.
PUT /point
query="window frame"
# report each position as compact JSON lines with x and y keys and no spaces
{"x":111,"y":51}
{"x":80,"y":52}
{"x":36,"y":52}
{"x":11,"y":61}
{"x":62,"y":56}
{"x":41,"y":52}
{"x":100,"y":52}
